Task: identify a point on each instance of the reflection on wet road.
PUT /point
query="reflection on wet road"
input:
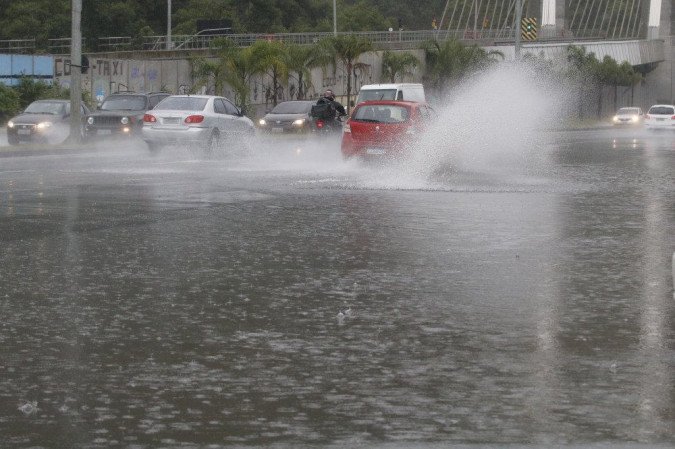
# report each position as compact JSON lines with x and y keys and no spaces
{"x":288,"y":297}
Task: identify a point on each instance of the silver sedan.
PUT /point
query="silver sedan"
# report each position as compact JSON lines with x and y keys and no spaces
{"x":203,"y":120}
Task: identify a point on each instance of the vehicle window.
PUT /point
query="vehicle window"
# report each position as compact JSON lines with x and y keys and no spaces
{"x":219,"y":106}
{"x":661,"y":110}
{"x":400,"y":95}
{"x":230,"y":108}
{"x":182,"y":103}
{"x":46,"y":107}
{"x":377,"y":94}
{"x":293,"y":107}
{"x":381,"y":114}
{"x":154,"y":100}
{"x":629,"y":111}
{"x":124,"y":103}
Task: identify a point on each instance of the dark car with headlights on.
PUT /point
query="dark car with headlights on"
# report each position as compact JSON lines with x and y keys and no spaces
{"x":288,"y":117}
{"x":43,"y":121}
{"x":121,"y":114}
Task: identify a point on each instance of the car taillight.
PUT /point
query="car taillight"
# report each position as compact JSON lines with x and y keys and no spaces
{"x":194,"y":119}
{"x":319,"y":123}
{"x":149,"y":118}
{"x":673,"y":117}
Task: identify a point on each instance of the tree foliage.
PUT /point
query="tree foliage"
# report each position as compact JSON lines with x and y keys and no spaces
{"x":49,"y":19}
{"x":398,"y":65}
{"x":345,"y":50}
{"x":451,"y":61}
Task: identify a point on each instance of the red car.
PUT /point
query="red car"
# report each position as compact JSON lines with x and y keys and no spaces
{"x":383,"y":128}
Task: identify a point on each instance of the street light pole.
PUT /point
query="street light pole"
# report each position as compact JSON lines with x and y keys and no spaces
{"x":519,"y":13}
{"x":334,"y":17}
{"x":168,"y":25}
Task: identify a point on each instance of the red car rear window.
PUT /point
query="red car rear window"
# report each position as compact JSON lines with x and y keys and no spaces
{"x":381,"y":114}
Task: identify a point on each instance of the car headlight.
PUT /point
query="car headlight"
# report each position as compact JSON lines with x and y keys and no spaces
{"x":616,"y":118}
{"x":43,"y":125}
{"x":125,"y":120}
{"x":10,"y":124}
{"x":634,"y":118}
{"x":262,"y":122}
{"x":299,"y":122}
{"x":90,"y":120}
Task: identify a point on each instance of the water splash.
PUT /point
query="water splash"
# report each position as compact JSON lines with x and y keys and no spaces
{"x":492,"y":125}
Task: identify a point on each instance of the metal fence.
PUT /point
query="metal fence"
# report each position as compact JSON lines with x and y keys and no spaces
{"x":21,"y":46}
{"x":380,"y":39}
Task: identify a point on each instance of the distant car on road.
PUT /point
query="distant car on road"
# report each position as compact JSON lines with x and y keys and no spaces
{"x":288,"y":117}
{"x":628,"y":117}
{"x":379,"y":129}
{"x":43,"y":121}
{"x":121,"y":114}
{"x":660,"y":116}
{"x":205,"y":120}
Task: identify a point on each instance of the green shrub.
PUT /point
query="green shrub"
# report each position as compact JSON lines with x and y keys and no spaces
{"x":9,"y":102}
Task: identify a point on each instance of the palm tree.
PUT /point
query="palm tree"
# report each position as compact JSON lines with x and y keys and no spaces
{"x":207,"y":71}
{"x":345,"y":49}
{"x":241,"y":67}
{"x":301,"y":59}
{"x":270,"y":58}
{"x":452,"y":61}
{"x":398,"y":64}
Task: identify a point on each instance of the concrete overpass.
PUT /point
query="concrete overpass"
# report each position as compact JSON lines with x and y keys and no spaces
{"x":639,"y":32}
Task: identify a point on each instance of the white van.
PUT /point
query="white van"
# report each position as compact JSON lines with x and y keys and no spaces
{"x":400,"y":91}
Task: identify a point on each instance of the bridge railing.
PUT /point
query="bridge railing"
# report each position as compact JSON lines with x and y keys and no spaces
{"x":17,"y":46}
{"x":380,"y":39}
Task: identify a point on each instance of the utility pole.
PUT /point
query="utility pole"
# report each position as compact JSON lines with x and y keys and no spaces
{"x":75,"y":73}
{"x":335,"y":18}
{"x":168,"y":25}
{"x":519,"y":13}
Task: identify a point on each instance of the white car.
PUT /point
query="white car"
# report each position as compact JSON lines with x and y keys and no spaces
{"x":204,"y":120}
{"x":660,"y":116}
{"x":628,"y":117}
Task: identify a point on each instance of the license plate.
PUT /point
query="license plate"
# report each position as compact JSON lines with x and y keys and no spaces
{"x":375,"y":151}
{"x":171,"y":121}
{"x":23,"y":132}
{"x":277,"y":130}
{"x":103,"y":132}
{"x":660,"y":120}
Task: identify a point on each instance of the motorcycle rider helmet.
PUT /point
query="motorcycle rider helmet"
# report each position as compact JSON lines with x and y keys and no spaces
{"x":329,"y":95}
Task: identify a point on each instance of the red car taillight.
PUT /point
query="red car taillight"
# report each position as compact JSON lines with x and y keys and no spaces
{"x":319,"y":123}
{"x":673,"y":117}
{"x":194,"y":119}
{"x":149,"y":118}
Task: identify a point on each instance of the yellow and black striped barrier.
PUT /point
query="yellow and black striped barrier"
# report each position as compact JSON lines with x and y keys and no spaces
{"x":528,"y":29}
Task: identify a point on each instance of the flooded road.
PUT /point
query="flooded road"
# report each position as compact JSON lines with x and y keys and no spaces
{"x":285,"y":298}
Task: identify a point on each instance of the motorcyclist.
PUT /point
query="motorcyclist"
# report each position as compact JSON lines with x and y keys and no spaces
{"x":329,"y":118}
{"x":329,"y":97}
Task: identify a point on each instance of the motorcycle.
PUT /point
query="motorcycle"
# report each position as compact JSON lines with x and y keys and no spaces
{"x":326,"y":120}
{"x":328,"y":125}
